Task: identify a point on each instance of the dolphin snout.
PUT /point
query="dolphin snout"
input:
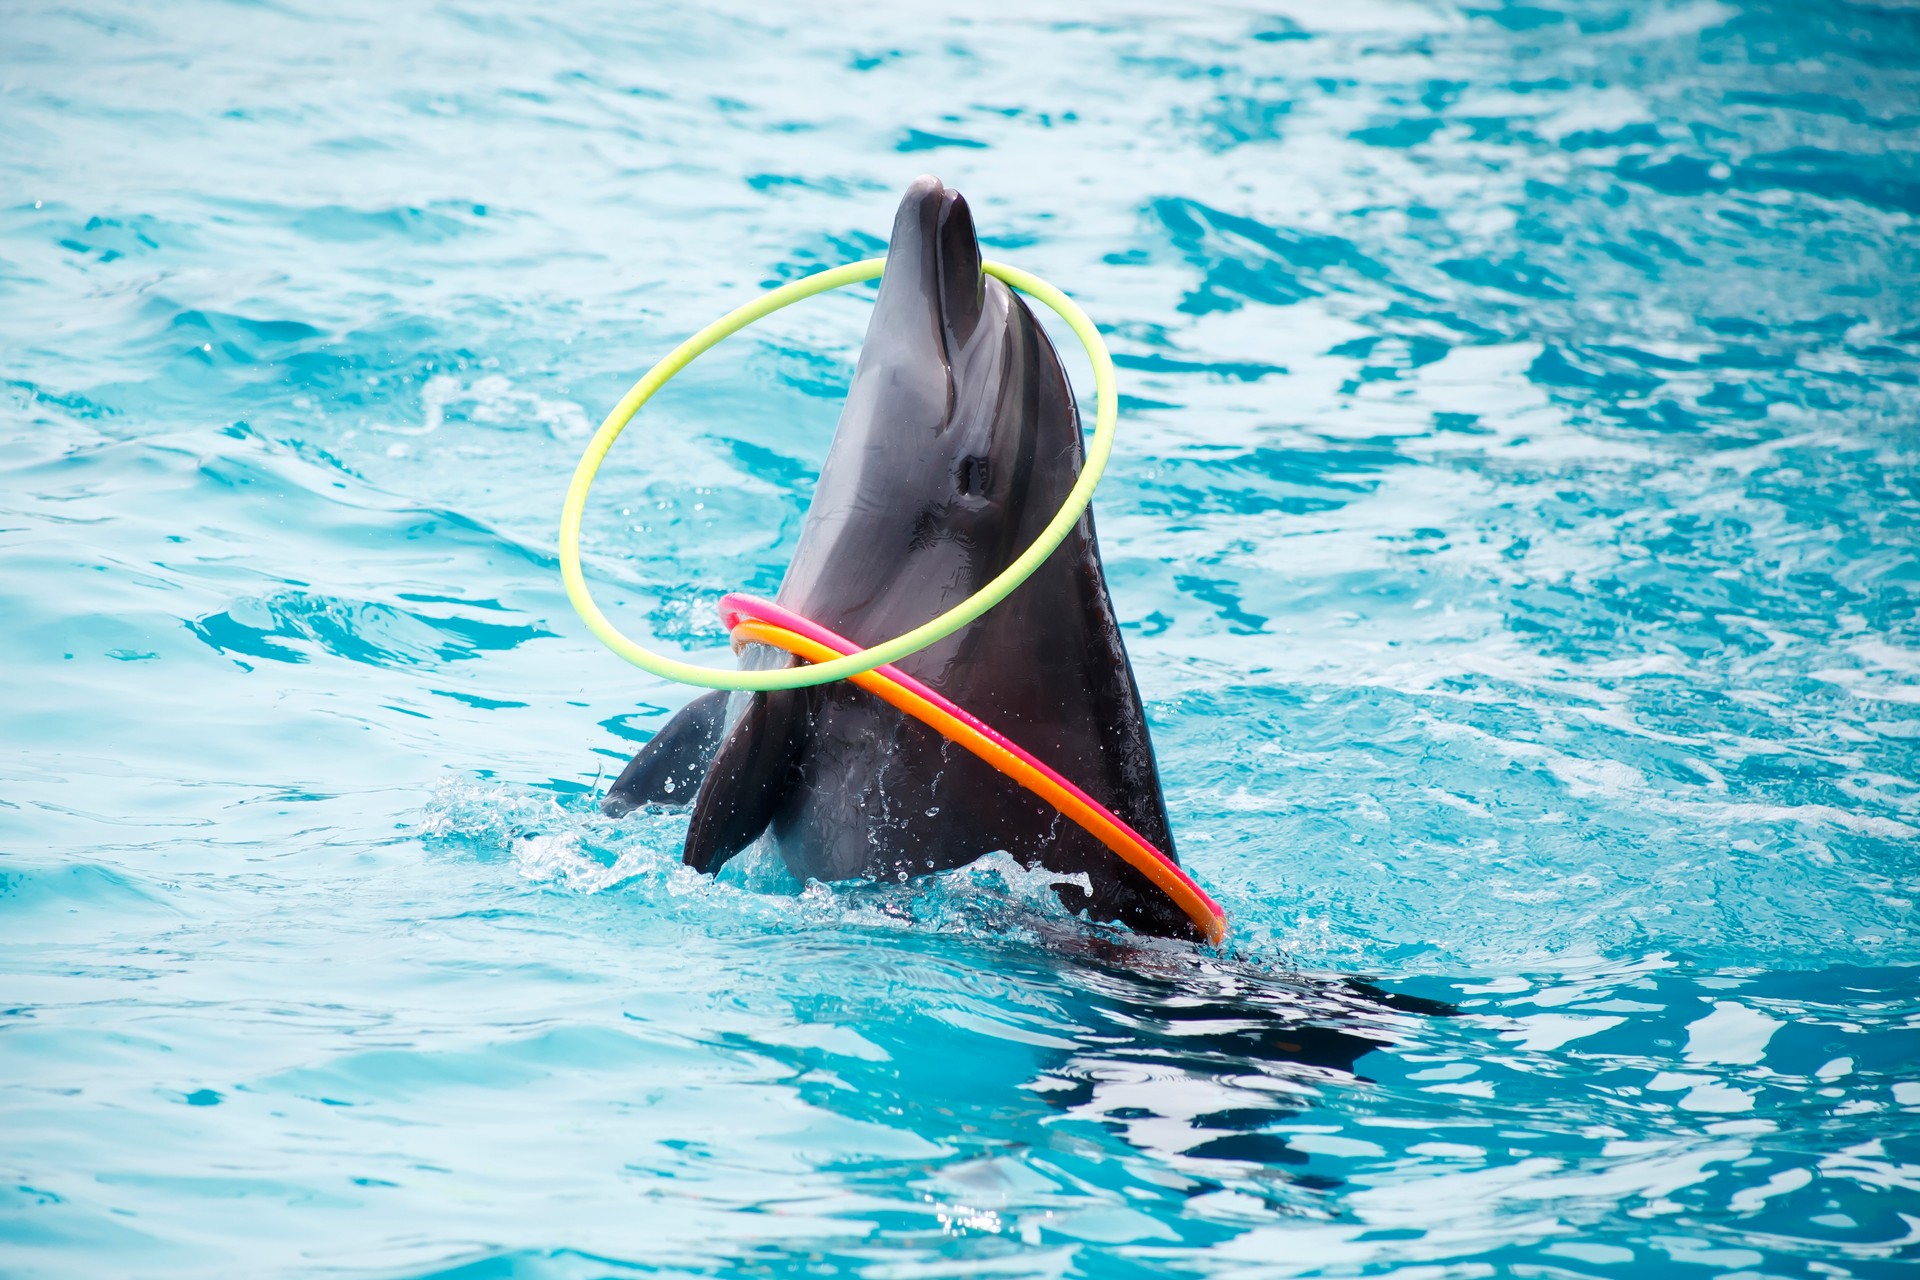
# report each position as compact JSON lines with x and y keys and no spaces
{"x":934,"y":243}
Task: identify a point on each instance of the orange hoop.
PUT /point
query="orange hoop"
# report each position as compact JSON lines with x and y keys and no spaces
{"x":761,"y":622}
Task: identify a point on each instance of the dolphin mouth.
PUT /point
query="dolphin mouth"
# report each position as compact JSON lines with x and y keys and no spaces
{"x":934,"y":240}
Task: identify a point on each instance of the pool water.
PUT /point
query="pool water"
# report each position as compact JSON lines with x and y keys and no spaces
{"x":1515,"y":521}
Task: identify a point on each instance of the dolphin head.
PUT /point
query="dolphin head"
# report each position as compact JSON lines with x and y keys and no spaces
{"x":958,"y":440}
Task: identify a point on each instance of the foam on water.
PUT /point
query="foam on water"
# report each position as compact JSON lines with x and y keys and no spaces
{"x":1513,"y":523}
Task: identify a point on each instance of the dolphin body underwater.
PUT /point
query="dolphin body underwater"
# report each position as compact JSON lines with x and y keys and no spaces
{"x":958,"y":441}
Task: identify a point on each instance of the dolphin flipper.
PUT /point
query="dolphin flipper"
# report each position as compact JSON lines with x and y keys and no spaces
{"x":752,"y":772}
{"x":669,"y":768}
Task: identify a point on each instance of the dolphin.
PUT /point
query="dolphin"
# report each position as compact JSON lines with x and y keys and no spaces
{"x":958,"y":442}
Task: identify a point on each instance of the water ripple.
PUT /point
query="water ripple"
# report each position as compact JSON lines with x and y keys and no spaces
{"x":1512,"y":521}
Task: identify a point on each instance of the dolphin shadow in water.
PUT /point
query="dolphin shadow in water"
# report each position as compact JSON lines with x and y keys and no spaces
{"x":1200,"y":1062}
{"x":958,"y":442}
{"x":1186,"y":1045}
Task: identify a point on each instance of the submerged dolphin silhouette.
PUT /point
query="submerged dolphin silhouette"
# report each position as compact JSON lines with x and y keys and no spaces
{"x":958,"y":442}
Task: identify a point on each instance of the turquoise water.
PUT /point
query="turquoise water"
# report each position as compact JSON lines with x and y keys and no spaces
{"x":1514,"y":520}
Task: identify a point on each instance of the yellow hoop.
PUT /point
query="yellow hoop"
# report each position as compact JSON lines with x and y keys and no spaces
{"x":1106,"y":414}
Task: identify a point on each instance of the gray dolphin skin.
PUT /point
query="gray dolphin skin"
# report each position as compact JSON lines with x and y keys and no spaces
{"x":958,"y":442}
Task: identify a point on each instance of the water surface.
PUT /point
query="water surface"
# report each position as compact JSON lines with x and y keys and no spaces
{"x":1514,"y":524}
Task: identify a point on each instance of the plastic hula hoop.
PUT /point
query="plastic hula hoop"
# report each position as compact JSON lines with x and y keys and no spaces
{"x":1106,"y":413}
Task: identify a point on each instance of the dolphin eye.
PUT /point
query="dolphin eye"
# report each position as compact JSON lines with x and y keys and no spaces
{"x":974,"y":475}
